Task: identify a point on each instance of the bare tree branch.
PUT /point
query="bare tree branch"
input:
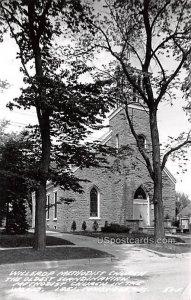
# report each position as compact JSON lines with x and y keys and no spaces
{"x":173,"y":75}
{"x":159,"y":13}
{"x":171,"y":37}
{"x":11,"y":13}
{"x":129,"y":29}
{"x":161,"y":67}
{"x":165,"y":157}
{"x":130,"y":79}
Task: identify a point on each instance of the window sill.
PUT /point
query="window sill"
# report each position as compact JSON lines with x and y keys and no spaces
{"x":48,"y":219}
{"x":94,"y":218}
{"x":55,"y":219}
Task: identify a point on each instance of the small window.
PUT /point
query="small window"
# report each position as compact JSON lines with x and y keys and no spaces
{"x":94,"y":203}
{"x":141,"y":141}
{"x":48,"y":207}
{"x":55,"y":204}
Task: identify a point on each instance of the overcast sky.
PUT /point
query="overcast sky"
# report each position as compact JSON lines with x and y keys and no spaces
{"x":171,"y":119}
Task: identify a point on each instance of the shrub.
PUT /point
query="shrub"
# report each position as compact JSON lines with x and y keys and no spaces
{"x":115,"y":228}
{"x":176,"y":223}
{"x":84,"y":226}
{"x":95,"y":226}
{"x":106,"y":224}
{"x":73,"y":227}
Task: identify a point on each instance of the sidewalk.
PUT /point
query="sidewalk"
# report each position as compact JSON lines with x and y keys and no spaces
{"x":86,"y":241}
{"x":119,"y":251}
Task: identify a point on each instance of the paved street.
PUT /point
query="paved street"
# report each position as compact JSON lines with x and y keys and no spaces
{"x":134,"y":273}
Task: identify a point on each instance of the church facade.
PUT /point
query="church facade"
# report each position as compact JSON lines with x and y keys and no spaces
{"x":119,"y":194}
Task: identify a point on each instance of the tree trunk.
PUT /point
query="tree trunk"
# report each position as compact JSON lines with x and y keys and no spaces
{"x":40,"y":218}
{"x":44,"y":125}
{"x":157,"y":197}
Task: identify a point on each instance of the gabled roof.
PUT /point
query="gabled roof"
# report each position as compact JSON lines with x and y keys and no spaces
{"x":170,"y":176}
{"x":135,"y":105}
{"x":106,"y":137}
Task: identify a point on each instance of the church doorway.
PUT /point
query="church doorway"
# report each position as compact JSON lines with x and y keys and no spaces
{"x":141,"y":209}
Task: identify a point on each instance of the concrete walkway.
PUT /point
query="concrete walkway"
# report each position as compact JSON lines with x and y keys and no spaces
{"x":95,"y":243}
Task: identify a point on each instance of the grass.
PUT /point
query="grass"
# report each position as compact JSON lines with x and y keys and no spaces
{"x":27,"y":240}
{"x":142,"y":237}
{"x":12,"y":256}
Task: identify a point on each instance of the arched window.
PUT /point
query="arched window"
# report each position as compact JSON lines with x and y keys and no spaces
{"x":140,"y":194}
{"x":94,"y":203}
{"x":142,"y":141}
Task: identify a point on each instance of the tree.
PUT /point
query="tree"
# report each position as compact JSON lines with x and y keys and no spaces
{"x":141,"y":36}
{"x":4,"y":137}
{"x":65,"y":107}
{"x":182,"y":200}
{"x":16,"y":219}
{"x":15,"y":184}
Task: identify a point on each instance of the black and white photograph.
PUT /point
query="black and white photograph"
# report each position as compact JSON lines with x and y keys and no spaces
{"x":95,"y":149}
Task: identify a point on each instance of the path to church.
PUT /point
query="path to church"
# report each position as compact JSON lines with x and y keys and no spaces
{"x":133,"y":273}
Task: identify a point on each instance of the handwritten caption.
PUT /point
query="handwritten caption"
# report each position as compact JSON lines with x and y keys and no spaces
{"x":72,"y":280}
{"x":66,"y":281}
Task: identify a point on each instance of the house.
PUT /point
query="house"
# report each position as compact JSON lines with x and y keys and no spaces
{"x":121,"y":194}
{"x":184,"y":217}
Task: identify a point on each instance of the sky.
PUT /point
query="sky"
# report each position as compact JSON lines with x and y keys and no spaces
{"x":171,"y":119}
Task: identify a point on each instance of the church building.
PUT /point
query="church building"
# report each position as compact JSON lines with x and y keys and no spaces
{"x":121,"y":194}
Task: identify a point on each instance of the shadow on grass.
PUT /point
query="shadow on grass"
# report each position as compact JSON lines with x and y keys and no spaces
{"x":142,"y":238}
{"x":27,"y":240}
{"x":11,"y":256}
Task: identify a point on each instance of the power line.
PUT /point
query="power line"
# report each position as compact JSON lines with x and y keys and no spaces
{"x":23,"y":113}
{"x":18,"y":124}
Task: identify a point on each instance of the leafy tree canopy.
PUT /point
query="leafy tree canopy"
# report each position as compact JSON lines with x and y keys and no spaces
{"x":73,"y":108}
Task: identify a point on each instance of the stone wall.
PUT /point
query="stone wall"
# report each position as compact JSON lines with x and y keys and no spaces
{"x":116,"y":186}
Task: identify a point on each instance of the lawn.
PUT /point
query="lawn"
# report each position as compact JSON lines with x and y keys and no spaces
{"x":133,"y":238}
{"x":12,"y":256}
{"x":27,"y":240}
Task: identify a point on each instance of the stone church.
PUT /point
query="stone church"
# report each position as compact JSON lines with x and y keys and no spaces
{"x":121,"y":194}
